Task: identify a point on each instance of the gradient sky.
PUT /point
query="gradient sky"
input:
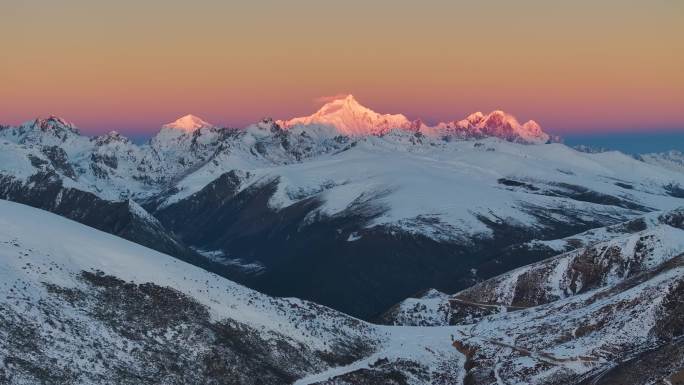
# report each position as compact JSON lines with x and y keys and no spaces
{"x":131,"y":65}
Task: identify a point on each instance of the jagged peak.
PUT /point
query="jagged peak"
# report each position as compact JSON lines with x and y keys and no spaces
{"x":504,"y":125}
{"x":54,"y":119}
{"x":264,"y":126}
{"x":52,"y":122}
{"x":498,"y":118}
{"x":188,"y":123}
{"x":110,"y":137}
{"x":532,"y":126}
{"x":497,"y":123}
{"x":475,"y":117}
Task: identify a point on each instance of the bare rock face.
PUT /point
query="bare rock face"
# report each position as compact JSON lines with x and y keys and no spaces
{"x":169,"y":334}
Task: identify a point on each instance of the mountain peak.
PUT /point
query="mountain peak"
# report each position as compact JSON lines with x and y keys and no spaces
{"x":53,"y":122}
{"x":348,"y":103}
{"x":348,"y":98}
{"x":110,"y":137}
{"x":475,"y":117}
{"x":54,"y":125}
{"x":497,"y":124}
{"x":504,"y":125}
{"x":351,"y":118}
{"x":188,"y":123}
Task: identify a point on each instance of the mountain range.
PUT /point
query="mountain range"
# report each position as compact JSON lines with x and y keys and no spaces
{"x":350,"y":118}
{"x":335,"y":207}
{"x":346,"y":247}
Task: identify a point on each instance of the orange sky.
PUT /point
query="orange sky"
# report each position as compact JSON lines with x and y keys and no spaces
{"x":574,"y":66}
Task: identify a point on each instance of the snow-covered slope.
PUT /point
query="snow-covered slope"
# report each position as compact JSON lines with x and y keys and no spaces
{"x":609,"y":313}
{"x":80,"y":306}
{"x":673,"y":160}
{"x":468,"y":181}
{"x":48,"y":178}
{"x":626,"y":334}
{"x":430,"y":308}
{"x":396,"y":201}
{"x":599,"y":259}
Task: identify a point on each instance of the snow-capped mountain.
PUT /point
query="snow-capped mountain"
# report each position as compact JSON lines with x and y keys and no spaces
{"x":357,"y":221}
{"x":47,"y":131}
{"x":180,"y":146}
{"x":48,"y":164}
{"x":187,"y":123}
{"x":341,"y":208}
{"x":350,"y":118}
{"x":497,"y":124}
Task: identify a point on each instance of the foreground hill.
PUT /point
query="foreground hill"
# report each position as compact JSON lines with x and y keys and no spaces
{"x":78,"y":306}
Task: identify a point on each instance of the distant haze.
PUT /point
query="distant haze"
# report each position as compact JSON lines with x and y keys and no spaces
{"x":631,"y":142}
